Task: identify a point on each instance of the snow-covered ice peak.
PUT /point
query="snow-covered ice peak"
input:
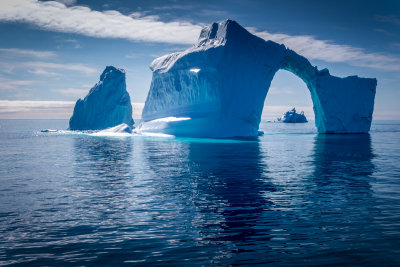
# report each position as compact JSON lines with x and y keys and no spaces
{"x":221,"y":33}
{"x":110,"y":69}
{"x":226,"y":97}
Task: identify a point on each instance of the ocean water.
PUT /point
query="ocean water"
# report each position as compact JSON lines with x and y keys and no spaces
{"x":290,"y":198}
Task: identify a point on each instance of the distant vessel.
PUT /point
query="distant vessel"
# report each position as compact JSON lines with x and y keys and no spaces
{"x":292,"y":116}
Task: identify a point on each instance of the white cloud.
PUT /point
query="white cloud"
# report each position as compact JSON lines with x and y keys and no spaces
{"x":74,"y":42}
{"x":312,"y":48}
{"x":10,"y":109}
{"x":72,"y":92}
{"x":67,"y":2}
{"x":388,"y":18}
{"x":26,"y":52}
{"x":56,"y":16}
{"x":107,"y":24}
{"x":9,"y":84}
{"x":70,"y":41}
{"x":280,"y":91}
{"x":173,"y":7}
{"x":43,"y":72}
{"x":19,"y":109}
{"x":72,"y":66}
{"x":45,"y":68}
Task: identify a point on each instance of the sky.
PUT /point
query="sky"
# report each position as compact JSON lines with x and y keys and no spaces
{"x":53,"y":52}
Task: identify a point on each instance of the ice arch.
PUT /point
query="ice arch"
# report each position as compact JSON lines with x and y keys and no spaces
{"x":217,"y":88}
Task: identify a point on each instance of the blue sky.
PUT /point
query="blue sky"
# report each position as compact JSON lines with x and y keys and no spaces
{"x":51,"y":53}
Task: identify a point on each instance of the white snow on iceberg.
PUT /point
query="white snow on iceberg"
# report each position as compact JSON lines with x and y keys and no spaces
{"x":222,"y":81}
{"x":119,"y":130}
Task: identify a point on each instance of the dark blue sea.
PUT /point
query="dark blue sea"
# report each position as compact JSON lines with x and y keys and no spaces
{"x":290,"y":198}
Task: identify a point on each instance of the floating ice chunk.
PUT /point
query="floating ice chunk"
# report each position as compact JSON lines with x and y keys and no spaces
{"x":293,"y":117}
{"x":119,"y":130}
{"x":195,"y":70}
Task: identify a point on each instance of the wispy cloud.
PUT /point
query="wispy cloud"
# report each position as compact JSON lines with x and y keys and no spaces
{"x":395,"y":45}
{"x":45,"y":68}
{"x":328,"y":51}
{"x":386,"y":32}
{"x":74,"y":42}
{"x":39,"y":71}
{"x":67,"y":2}
{"x":19,"y":109}
{"x":72,"y":92}
{"x":280,"y":91}
{"x":173,"y":7}
{"x":388,"y":18}
{"x":72,"y":66}
{"x":107,"y":24}
{"x":139,"y":27}
{"x":9,"y":84}
{"x":27,"y":53}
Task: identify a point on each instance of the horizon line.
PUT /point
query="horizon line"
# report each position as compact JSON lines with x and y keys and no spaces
{"x":59,"y":109}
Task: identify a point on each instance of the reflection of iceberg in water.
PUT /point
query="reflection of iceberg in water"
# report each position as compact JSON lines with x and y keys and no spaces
{"x":105,"y":157}
{"x":343,"y":156}
{"x":230,"y":179}
{"x":103,"y":169}
{"x":216,"y":188}
{"x":232,"y":211}
{"x":337,"y":206}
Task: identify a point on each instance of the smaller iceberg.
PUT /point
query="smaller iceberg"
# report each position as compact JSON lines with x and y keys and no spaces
{"x":106,"y":105}
{"x":292,"y":116}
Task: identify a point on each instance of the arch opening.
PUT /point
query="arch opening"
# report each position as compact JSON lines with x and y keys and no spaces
{"x":287,"y":91}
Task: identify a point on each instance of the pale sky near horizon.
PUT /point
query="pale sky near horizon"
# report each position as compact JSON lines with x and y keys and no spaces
{"x":52,"y":52}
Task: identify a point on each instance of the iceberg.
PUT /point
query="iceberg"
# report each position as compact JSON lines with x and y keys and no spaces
{"x":220,"y":84}
{"x":106,"y":105}
{"x":292,"y":116}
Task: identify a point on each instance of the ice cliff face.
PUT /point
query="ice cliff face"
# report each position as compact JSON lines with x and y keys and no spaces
{"x":106,"y":105}
{"x":221,"y":84}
